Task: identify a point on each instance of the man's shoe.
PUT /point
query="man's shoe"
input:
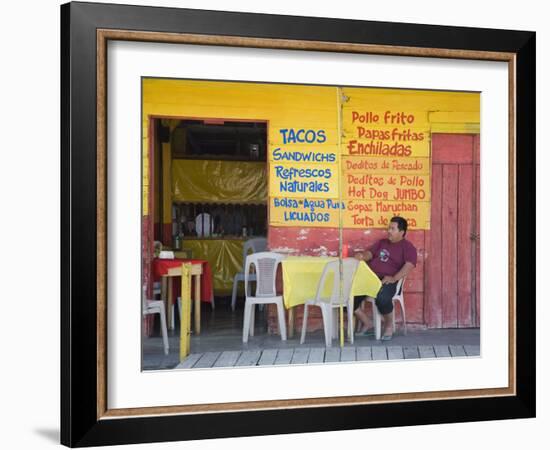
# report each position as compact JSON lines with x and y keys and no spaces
{"x":387,"y":337}
{"x":366,"y":333}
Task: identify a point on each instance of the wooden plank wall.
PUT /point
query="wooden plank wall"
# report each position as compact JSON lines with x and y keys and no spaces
{"x":478,"y":215}
{"x":431,"y":301}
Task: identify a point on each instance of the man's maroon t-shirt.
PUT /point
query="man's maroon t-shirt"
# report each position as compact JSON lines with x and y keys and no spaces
{"x":388,"y":258}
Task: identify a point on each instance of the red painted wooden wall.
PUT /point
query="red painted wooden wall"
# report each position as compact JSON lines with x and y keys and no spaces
{"x":147,"y":237}
{"x":443,"y":290}
{"x":452,"y":245}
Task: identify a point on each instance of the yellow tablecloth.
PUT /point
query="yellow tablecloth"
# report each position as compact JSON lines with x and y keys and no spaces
{"x":301,"y":275}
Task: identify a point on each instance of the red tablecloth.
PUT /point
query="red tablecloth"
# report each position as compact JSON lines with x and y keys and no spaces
{"x":161,"y":267}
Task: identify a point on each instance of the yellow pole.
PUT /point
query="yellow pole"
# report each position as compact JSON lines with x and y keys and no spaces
{"x":340,"y":218}
{"x":166,"y":191}
{"x":185,"y":317}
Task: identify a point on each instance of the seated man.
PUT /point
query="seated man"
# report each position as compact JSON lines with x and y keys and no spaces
{"x":390,"y":259}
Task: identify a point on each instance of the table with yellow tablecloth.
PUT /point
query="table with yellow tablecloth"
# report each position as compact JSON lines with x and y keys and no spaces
{"x":301,"y":275}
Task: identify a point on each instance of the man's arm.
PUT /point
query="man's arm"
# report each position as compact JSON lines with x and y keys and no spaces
{"x":363,"y":256}
{"x":403,"y":272}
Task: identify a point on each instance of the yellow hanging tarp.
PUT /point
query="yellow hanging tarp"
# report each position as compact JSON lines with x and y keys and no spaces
{"x":225,"y":257}
{"x":211,"y":181}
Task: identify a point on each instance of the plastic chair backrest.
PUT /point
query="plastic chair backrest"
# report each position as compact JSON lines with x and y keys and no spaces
{"x":265,"y":264}
{"x":144,"y":299}
{"x":399,"y":287}
{"x":350,"y":266}
{"x":332,"y":268}
{"x":254,"y":245}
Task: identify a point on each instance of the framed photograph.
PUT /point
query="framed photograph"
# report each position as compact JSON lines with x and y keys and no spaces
{"x":278,"y":224}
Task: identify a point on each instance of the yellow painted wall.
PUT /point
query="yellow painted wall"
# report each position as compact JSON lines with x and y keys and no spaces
{"x":167,"y":183}
{"x":335,"y":111}
{"x":280,"y":105}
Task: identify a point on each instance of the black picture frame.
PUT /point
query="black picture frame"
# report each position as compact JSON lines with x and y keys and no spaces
{"x":81,"y":422}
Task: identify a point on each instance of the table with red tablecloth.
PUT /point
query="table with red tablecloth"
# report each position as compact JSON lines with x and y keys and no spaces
{"x":165,"y":269}
{"x":161,"y":266}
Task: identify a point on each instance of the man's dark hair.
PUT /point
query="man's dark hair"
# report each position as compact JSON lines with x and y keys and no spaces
{"x":401,"y":224}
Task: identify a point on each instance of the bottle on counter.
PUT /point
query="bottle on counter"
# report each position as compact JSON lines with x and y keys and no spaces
{"x":345,"y":251}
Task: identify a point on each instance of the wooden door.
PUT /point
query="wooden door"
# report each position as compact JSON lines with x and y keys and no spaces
{"x":452,"y":244}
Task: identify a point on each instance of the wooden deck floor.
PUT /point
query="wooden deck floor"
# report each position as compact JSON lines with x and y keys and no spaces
{"x":246,"y":358}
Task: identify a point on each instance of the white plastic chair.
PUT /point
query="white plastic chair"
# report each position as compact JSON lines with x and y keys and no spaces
{"x":255,"y":245}
{"x":266,"y":264}
{"x":156,"y":307}
{"x":156,"y":289}
{"x":376,"y":316}
{"x":328,"y":304}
